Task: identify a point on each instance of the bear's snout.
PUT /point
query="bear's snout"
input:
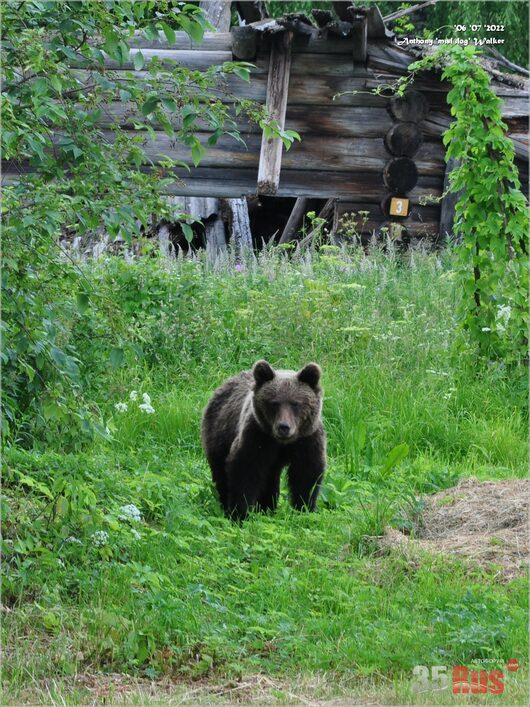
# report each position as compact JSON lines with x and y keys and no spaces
{"x":284,"y":430}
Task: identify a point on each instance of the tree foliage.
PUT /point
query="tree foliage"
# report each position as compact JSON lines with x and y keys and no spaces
{"x":66,"y":65}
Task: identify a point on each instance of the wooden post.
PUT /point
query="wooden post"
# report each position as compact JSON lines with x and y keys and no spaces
{"x":214,"y":235}
{"x":342,"y":9}
{"x":270,"y":159}
{"x":241,"y":235}
{"x":376,"y":26}
{"x":360,"y":38}
{"x":294,"y":219}
{"x":218,"y":12}
{"x":447,"y":211}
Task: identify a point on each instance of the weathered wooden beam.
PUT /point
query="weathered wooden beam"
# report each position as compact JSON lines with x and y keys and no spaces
{"x":270,"y":160}
{"x":376,"y":25}
{"x":360,"y":38}
{"x":251,"y":11}
{"x":295,"y":219}
{"x":313,"y":153}
{"x":214,"y":234}
{"x":342,"y":9}
{"x":407,"y":11}
{"x":505,"y":62}
{"x":218,"y":12}
{"x":244,"y":42}
{"x":222,"y":41}
{"x":316,"y":183}
{"x":344,"y":121}
{"x":327,"y":211}
{"x":241,"y":236}
{"x":189,"y":58}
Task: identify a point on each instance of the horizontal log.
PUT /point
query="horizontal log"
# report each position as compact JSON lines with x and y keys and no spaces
{"x":346,"y":121}
{"x":222,"y":41}
{"x":303,"y":89}
{"x":188,"y":58}
{"x":323,"y":64}
{"x":435,"y":85}
{"x":390,"y":54}
{"x":295,"y":183}
{"x":232,"y":183}
{"x":212,"y":41}
{"x":340,"y":154}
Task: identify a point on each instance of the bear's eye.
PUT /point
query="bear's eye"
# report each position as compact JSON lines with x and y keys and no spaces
{"x":295,"y":405}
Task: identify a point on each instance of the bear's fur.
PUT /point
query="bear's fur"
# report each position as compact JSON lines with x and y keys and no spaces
{"x":257,"y":423}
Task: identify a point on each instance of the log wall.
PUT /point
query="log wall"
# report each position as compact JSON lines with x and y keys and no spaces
{"x":343,"y":127}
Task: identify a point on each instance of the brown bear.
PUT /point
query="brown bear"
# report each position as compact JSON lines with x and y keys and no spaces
{"x":257,"y":423}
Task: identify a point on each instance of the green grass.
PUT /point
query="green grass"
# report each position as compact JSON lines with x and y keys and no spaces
{"x":190,"y":597}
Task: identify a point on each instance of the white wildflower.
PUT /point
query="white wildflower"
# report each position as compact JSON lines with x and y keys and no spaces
{"x":146,"y":399}
{"x":436,"y":373}
{"x":121,"y":407}
{"x":130,"y":512}
{"x":146,"y":407}
{"x":100,"y":538}
{"x":504,"y":312}
{"x":136,"y":535}
{"x":73,"y":541}
{"x":133,"y":395}
{"x":486,"y":328}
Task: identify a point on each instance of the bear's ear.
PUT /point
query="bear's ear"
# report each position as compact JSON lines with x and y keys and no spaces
{"x":310,"y":374}
{"x":262,"y":372}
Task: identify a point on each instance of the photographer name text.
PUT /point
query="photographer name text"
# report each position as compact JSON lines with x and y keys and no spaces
{"x":462,"y":41}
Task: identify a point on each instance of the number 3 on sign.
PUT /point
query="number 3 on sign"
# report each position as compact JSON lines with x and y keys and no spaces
{"x":399,"y":207}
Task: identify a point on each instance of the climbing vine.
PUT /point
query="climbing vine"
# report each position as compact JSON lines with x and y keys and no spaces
{"x":491,"y":213}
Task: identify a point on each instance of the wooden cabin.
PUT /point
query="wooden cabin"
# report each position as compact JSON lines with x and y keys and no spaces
{"x":360,"y":152}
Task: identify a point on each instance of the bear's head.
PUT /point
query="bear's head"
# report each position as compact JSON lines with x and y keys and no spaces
{"x":287,"y":404}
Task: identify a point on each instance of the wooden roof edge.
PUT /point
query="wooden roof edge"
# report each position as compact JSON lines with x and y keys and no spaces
{"x":489,"y":64}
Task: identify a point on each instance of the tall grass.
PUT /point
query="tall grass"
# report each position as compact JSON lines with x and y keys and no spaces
{"x":190,"y":595}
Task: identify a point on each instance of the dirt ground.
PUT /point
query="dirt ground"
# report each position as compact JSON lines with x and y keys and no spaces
{"x":484,"y":521}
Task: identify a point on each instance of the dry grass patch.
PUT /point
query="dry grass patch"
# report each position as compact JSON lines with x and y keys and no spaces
{"x":483,"y":521}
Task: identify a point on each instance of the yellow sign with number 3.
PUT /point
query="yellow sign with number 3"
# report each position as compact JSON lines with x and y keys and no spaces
{"x":399,"y":207}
